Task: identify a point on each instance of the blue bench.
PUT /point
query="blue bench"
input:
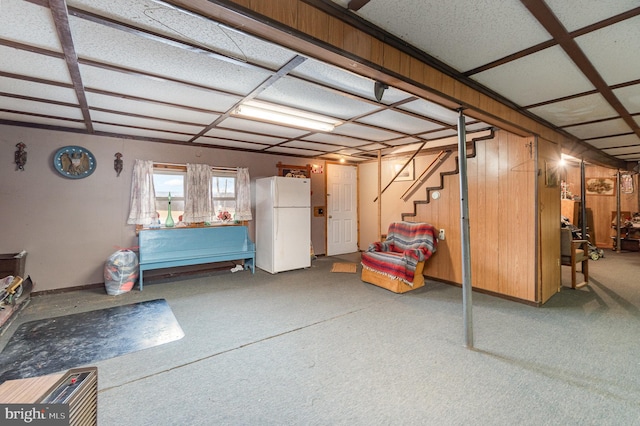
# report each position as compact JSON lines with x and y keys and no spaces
{"x":166,"y":248}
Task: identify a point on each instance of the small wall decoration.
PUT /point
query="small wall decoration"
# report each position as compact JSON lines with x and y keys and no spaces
{"x":294,"y":171}
{"x":317,"y":169}
{"x":117,"y":164}
{"x":407,"y":173}
{"x":21,"y":156}
{"x":600,"y":186}
{"x":74,"y":162}
{"x":552,"y":177}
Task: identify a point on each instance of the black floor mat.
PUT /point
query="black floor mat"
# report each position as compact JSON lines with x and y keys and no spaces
{"x":56,"y":344}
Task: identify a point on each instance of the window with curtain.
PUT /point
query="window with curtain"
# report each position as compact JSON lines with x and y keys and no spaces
{"x":199,"y":193}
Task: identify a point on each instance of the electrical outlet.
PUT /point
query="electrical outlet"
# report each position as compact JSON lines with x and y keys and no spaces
{"x":441,"y":234}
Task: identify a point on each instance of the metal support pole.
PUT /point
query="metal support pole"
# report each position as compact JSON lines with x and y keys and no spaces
{"x":618,"y":219}
{"x":464,"y":232}
{"x":583,"y":207}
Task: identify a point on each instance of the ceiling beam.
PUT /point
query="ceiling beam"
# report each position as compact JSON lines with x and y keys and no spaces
{"x":356,"y":5}
{"x":550,"y":22}
{"x":61,"y":20}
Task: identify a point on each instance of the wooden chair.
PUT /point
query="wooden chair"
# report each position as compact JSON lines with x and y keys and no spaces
{"x":573,"y":252}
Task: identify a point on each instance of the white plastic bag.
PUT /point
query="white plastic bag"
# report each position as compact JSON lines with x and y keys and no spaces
{"x":120,"y":272}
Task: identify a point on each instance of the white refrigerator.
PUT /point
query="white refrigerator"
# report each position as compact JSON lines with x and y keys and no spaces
{"x":283,"y":223}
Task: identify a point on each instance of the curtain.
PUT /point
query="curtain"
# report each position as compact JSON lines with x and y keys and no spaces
{"x":198,"y":198}
{"x":243,"y":197}
{"x":143,"y":197}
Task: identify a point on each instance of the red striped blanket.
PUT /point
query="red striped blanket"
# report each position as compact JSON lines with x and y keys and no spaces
{"x":407,"y":244}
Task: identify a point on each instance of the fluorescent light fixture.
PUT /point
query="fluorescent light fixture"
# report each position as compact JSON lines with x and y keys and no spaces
{"x":283,"y":115}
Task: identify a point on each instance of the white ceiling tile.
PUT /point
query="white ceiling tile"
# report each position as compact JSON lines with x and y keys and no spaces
{"x":262,"y":128}
{"x":77,"y":124}
{"x":230,"y":143}
{"x":544,"y":75}
{"x":364,"y":132}
{"x":460,"y":33}
{"x":142,"y":133}
{"x":242,"y":136}
{"x":432,"y":110}
{"x":94,"y":41}
{"x":38,"y":90}
{"x":34,"y":65}
{"x":400,"y":122}
{"x":336,"y":139}
{"x":613,"y":50}
{"x":402,"y":141}
{"x":28,"y":23}
{"x":601,"y":128}
{"x":293,"y":151}
{"x":373,"y":146}
{"x":165,"y":19}
{"x":576,"y":110}
{"x":34,"y":107}
{"x":311,"y":145}
{"x":140,"y":86}
{"x":144,"y":123}
{"x":589,"y":11}
{"x":630,"y":98}
{"x":439,"y":135}
{"x":615,"y":141}
{"x":293,"y":92}
{"x":149,"y":109}
{"x":634,"y":149}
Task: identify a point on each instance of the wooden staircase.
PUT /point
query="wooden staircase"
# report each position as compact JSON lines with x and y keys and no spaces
{"x":430,"y":189}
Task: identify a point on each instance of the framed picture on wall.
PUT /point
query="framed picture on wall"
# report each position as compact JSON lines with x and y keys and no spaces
{"x":600,"y":186}
{"x":552,"y":177}
{"x":407,"y":173}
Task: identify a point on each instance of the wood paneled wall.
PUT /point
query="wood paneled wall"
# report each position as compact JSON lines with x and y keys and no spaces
{"x":599,"y":207}
{"x":502,"y":217}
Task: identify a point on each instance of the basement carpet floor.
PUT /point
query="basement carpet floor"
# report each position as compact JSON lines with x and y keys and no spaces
{"x":55,"y":344}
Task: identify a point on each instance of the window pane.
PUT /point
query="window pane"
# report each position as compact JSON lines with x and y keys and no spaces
{"x":224,"y":187}
{"x":169,"y":182}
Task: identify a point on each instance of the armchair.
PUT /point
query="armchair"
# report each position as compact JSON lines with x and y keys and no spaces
{"x":397,"y":263}
{"x":573,"y":252}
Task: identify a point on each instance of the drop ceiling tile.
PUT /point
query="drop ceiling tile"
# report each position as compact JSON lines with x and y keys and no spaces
{"x":635,"y":149}
{"x":149,"y":88}
{"x":364,"y":132}
{"x":230,"y":143}
{"x":29,"y":24}
{"x":541,"y":76}
{"x":373,"y":146}
{"x":336,"y":139}
{"x":613,"y":50}
{"x":182,"y":25}
{"x":34,"y":65}
{"x":576,"y":110}
{"x":295,"y":93}
{"x":311,"y":145}
{"x":629,"y":157}
{"x":477,"y":126}
{"x":402,"y":141}
{"x":345,"y":80}
{"x":124,"y":120}
{"x":149,"y":109}
{"x":261,"y":128}
{"x":294,"y":151}
{"x":432,"y":110}
{"x":615,"y":141}
{"x":462,"y":34}
{"x":400,"y":122}
{"x":97,"y":42}
{"x":45,"y":121}
{"x":601,"y":128}
{"x":589,"y":12}
{"x":38,"y":90}
{"x":141,"y":133}
{"x":42,"y":108}
{"x":629,"y":97}
{"x":438,"y":135}
{"x":242,"y":136}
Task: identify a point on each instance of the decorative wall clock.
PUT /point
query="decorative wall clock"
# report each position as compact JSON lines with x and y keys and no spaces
{"x":74,"y":162}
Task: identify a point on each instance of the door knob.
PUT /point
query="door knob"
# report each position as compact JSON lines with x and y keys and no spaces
{"x":330,"y":217}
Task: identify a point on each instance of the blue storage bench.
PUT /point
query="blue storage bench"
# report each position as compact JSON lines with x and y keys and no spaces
{"x":166,"y":248}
